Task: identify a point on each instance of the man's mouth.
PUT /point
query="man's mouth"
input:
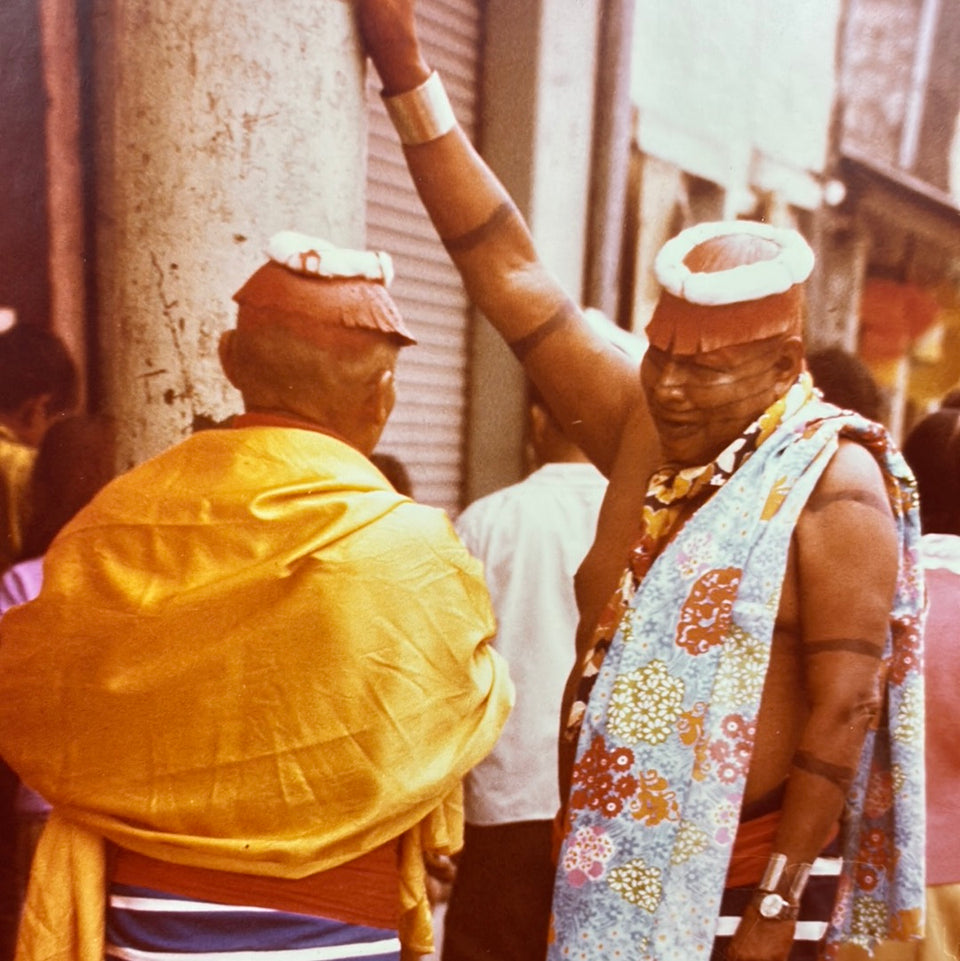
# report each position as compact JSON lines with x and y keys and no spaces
{"x":675,"y":420}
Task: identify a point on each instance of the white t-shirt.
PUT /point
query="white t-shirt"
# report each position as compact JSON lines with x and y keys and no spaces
{"x":531,"y":538}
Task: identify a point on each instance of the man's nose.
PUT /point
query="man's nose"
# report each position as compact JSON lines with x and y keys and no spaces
{"x":671,"y":380}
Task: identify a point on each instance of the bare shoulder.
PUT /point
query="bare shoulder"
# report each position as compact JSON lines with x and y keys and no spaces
{"x":847,"y":550}
{"x":852,"y":481}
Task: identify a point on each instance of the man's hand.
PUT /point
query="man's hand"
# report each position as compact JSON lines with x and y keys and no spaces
{"x":759,"y":939}
{"x":441,"y":872}
{"x":389,"y":32}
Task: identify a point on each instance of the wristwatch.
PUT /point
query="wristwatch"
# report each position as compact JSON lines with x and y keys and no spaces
{"x":774,"y":907}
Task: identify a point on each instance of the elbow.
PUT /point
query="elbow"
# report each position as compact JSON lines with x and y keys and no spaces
{"x":845,"y":699}
{"x":868,"y":710}
{"x":855,"y":715}
{"x":865,"y":713}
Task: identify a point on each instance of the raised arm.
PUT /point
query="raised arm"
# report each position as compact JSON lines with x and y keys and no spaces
{"x":591,"y":387}
{"x":847,"y":561}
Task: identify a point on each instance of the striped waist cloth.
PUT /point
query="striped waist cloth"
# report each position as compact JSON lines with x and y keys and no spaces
{"x":147,"y":925}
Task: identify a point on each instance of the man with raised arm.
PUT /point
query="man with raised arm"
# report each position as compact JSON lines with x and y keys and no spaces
{"x":747,"y":702}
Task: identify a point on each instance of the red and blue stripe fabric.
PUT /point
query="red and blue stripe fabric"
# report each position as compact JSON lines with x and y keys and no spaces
{"x":147,"y":925}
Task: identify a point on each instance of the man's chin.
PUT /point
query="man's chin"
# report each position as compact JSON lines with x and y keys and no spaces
{"x":683,"y":447}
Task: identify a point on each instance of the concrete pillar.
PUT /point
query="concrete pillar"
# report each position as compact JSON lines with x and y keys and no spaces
{"x":218,"y":122}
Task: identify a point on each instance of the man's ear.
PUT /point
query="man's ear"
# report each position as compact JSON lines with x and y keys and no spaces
{"x":538,"y":420}
{"x":371,"y":416}
{"x":226,"y":348}
{"x":789,"y":362}
{"x":384,"y":396}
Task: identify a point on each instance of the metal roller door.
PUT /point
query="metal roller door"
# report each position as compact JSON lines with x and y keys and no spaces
{"x":426,"y":430}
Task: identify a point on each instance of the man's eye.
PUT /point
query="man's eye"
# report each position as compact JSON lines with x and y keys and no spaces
{"x":707,"y":368}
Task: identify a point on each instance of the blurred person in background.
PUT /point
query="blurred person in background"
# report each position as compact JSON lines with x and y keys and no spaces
{"x":932,"y":449}
{"x":395,"y":471}
{"x":531,"y":537}
{"x":38,"y":385}
{"x":845,"y":380}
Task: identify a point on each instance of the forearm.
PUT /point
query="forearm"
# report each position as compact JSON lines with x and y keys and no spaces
{"x":590,"y":386}
{"x":847,"y":561}
{"x":812,"y":806}
{"x":469,"y":207}
{"x":484,"y":234}
{"x":823,"y":768}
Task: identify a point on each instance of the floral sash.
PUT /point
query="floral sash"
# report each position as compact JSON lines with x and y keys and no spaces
{"x":667,"y":732}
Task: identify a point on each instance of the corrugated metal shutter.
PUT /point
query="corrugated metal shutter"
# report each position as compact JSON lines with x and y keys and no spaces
{"x":426,"y":430}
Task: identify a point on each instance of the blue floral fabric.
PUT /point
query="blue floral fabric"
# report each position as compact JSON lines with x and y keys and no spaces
{"x":667,"y":732}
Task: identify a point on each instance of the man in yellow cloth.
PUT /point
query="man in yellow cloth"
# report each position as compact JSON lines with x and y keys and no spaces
{"x":256,"y":674}
{"x":748,"y":695}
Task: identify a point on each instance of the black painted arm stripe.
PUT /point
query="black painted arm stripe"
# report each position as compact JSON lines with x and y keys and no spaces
{"x":836,"y":774}
{"x":868,"y":499}
{"x":476,"y":236}
{"x":522,"y":346}
{"x":854,"y":645}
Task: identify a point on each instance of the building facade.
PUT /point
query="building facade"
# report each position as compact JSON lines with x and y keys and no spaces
{"x":174,"y":139}
{"x":838,"y":117}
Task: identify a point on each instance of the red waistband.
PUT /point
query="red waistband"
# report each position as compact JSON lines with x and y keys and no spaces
{"x":752,"y":848}
{"x":363,"y":891}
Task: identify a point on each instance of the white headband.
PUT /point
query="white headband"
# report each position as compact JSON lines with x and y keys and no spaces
{"x":320,"y":258}
{"x":764,"y":278}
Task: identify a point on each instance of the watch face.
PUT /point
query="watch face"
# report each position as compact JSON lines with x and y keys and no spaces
{"x":771,"y":905}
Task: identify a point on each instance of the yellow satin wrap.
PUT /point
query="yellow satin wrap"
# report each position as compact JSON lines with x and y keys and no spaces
{"x":16,"y":464}
{"x":249,"y":654}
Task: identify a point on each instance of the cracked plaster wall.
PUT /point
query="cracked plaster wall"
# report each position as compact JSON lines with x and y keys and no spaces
{"x":218,"y":123}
